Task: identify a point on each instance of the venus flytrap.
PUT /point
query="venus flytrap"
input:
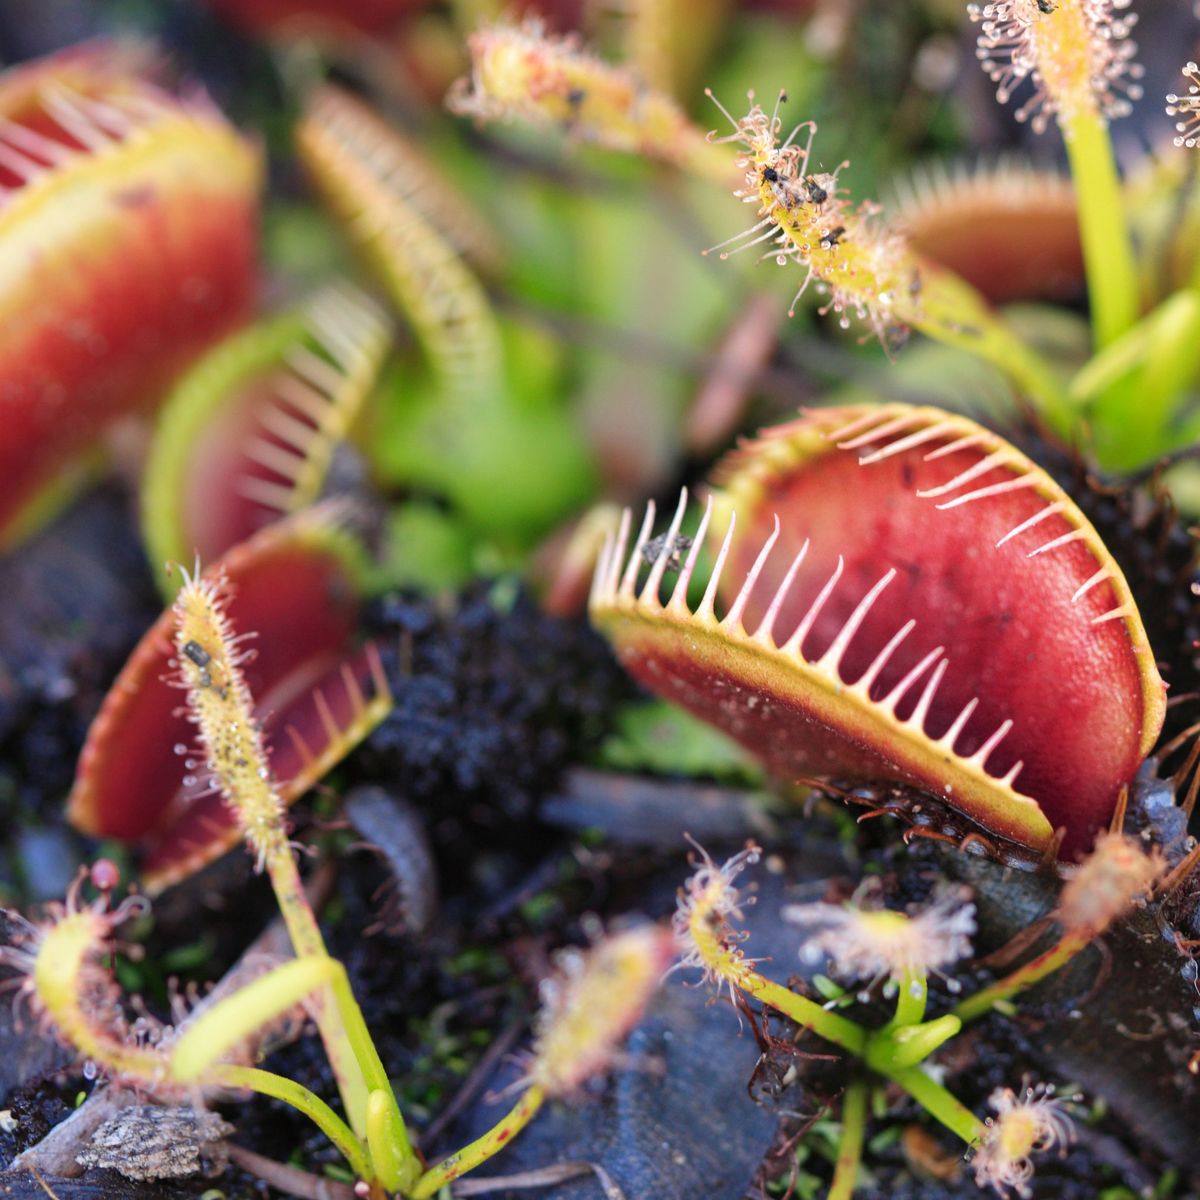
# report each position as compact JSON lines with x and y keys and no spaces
{"x":389,"y":216}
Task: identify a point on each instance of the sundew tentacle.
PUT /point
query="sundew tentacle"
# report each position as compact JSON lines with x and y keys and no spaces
{"x":1076,"y":54}
{"x":1188,"y":107}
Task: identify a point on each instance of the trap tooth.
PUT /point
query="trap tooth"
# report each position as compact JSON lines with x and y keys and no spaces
{"x":900,"y":595}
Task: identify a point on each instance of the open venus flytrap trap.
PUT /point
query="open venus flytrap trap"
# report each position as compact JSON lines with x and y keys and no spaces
{"x":898,"y":582}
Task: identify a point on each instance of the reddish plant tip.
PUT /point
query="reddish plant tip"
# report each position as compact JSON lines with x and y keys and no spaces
{"x":128,"y":232}
{"x":142,"y":777}
{"x":105,"y":875}
{"x":1108,"y":882}
{"x":909,"y":599}
{"x":306,"y":17}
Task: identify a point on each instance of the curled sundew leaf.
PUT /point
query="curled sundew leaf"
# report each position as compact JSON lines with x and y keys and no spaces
{"x":250,"y":432}
{"x":353,"y":164}
{"x":913,"y":600}
{"x":864,"y":265}
{"x":142,"y":778}
{"x":128,"y":231}
{"x":519,"y":71}
{"x":969,"y":219}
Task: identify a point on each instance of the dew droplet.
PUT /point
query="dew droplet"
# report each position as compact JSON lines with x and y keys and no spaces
{"x":180,"y":748}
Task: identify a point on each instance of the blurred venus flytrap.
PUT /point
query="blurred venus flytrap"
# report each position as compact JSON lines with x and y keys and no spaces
{"x":128,"y":232}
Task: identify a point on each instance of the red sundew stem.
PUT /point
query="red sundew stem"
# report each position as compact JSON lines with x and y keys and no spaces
{"x":1023,"y":977}
{"x":480,"y":1150}
{"x":849,"y":1156}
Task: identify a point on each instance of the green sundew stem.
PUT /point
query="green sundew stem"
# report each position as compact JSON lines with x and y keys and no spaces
{"x":480,"y":1150}
{"x":242,"y":1013}
{"x":911,"y":998}
{"x":1036,"y":969}
{"x":803,"y":1011}
{"x":1139,"y":381}
{"x":220,"y":704}
{"x":300,"y":1098}
{"x":854,"y":1124}
{"x":940,"y":1104}
{"x":951,"y":311}
{"x":344,"y":1029}
{"x":727,"y":965}
{"x":1107,"y":248}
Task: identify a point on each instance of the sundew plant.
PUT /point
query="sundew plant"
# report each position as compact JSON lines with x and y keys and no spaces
{"x":564,"y":451}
